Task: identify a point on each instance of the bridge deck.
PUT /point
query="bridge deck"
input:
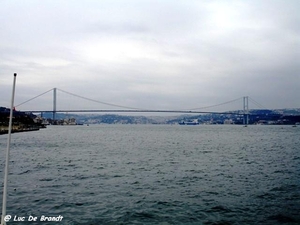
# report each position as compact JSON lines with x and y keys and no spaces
{"x":130,"y":111}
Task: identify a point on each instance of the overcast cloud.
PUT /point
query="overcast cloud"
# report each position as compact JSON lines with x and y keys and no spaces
{"x":157,"y":54}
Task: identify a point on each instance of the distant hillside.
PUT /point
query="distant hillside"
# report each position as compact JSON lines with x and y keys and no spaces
{"x":106,"y":118}
{"x":278,"y":116}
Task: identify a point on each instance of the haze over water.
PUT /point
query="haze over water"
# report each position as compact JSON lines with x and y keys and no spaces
{"x":156,"y":174}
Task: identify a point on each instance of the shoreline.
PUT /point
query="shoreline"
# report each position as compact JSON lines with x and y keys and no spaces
{"x":2,"y":132}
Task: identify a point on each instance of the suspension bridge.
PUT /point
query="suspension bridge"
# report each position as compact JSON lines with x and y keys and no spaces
{"x":126,"y":109}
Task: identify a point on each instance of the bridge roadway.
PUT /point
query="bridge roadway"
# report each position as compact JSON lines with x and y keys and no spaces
{"x":129,"y":111}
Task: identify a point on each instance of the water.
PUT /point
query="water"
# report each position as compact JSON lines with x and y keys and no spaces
{"x":155,"y":174}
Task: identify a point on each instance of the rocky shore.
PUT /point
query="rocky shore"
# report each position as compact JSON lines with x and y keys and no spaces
{"x":4,"y":130}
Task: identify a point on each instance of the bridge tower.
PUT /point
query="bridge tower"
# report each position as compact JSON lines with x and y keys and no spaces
{"x":54,"y":103}
{"x":246,"y":110}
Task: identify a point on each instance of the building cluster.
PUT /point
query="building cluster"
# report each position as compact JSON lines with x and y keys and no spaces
{"x":66,"y":121}
{"x":21,"y":121}
{"x":259,"y":117}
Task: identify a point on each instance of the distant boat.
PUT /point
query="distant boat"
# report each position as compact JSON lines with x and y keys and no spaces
{"x":189,"y":122}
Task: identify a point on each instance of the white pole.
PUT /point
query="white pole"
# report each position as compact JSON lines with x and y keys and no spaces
{"x":7,"y":152}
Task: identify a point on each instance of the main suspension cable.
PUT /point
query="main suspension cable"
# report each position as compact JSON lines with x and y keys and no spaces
{"x":93,"y":100}
{"x":256,"y":103}
{"x":34,"y":97}
{"x":211,"y":106}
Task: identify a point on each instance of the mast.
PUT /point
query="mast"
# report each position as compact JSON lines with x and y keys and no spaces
{"x":7,"y":152}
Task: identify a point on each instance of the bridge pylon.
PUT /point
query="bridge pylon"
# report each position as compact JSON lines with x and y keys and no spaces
{"x":54,"y":104}
{"x":246,"y":110}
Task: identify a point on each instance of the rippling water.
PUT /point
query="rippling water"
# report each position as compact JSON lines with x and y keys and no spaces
{"x":156,"y":174}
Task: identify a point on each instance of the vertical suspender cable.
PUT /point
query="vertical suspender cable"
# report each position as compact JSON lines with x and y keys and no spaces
{"x":7,"y":152}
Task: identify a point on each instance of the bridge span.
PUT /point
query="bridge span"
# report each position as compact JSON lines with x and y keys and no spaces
{"x":129,"y":111}
{"x":126,"y":109}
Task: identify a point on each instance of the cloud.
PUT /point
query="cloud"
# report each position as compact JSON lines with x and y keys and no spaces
{"x":152,"y":54}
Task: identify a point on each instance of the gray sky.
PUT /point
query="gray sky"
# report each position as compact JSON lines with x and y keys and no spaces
{"x":157,"y":54}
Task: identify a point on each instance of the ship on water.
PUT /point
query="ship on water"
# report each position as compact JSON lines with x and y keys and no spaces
{"x":189,"y":122}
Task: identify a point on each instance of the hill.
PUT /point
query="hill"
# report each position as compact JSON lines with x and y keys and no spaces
{"x":257,"y":116}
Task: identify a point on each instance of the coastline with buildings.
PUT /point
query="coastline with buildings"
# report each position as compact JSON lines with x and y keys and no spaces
{"x":24,"y":122}
{"x":256,"y":117}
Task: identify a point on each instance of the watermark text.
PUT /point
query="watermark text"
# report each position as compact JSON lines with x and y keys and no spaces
{"x":43,"y":218}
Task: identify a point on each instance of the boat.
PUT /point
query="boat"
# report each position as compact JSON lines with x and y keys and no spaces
{"x":189,"y":122}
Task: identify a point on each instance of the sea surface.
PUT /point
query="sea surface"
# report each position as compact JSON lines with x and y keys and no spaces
{"x":154,"y":174}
